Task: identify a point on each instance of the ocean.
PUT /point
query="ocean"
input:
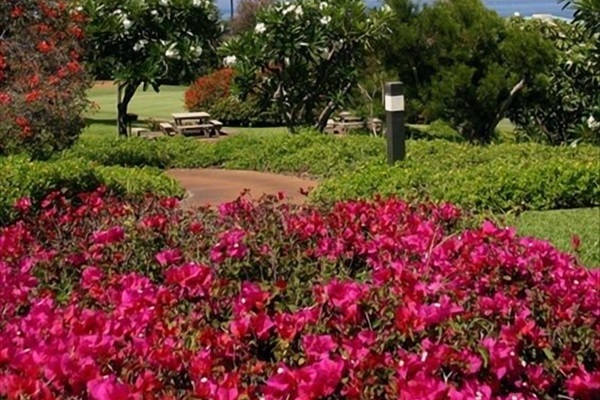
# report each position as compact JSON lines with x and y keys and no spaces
{"x":503,"y":7}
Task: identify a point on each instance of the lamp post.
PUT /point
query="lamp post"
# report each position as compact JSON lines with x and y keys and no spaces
{"x":395,"y":121}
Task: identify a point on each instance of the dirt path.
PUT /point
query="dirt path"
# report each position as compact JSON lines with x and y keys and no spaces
{"x":215,"y":186}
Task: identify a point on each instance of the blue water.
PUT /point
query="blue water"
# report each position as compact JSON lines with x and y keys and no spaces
{"x":503,"y":7}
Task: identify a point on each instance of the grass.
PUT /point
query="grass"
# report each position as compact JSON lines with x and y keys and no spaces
{"x":148,"y":104}
{"x":559,"y":226}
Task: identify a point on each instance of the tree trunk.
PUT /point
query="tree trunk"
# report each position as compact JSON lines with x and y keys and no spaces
{"x":503,"y":108}
{"x":329,"y":109}
{"x":122,"y":106}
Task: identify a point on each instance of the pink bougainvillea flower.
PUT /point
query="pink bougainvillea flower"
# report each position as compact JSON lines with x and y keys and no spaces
{"x":195,"y":279}
{"x":107,"y":388}
{"x":168,"y":257}
{"x":113,"y":235}
{"x":318,"y":347}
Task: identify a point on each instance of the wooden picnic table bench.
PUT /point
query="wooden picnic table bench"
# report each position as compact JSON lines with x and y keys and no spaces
{"x":196,"y":123}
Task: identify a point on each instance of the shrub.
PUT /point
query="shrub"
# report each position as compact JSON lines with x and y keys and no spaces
{"x":232,"y":111}
{"x":24,"y":178}
{"x":498,"y":178}
{"x":42,"y":83}
{"x":382,"y":300}
{"x":208,"y":90}
{"x":506,"y":177}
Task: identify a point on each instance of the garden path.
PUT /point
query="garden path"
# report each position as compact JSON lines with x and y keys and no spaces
{"x":215,"y":186}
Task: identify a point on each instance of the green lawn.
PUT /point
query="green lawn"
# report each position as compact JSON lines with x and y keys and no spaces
{"x":559,"y":226}
{"x":148,"y":104}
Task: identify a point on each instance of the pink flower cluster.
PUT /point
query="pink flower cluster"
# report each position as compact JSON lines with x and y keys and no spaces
{"x":104,"y":299}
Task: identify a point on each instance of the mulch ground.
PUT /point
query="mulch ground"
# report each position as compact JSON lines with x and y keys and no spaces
{"x":216,"y":186}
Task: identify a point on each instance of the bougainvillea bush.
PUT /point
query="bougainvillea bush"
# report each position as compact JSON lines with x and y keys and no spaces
{"x":104,"y":299}
{"x":42,"y":83}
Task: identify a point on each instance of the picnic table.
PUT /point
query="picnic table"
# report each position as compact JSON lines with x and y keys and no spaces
{"x":196,"y":123}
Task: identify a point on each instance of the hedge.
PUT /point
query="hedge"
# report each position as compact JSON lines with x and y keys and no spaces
{"x":497,"y":178}
{"x":35,"y":179}
{"x":502,"y":177}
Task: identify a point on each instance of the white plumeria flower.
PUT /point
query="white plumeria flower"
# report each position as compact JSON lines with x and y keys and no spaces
{"x":325,"y":20}
{"x":196,"y":3}
{"x":386,"y":8}
{"x":117,"y":12}
{"x":154,"y":13}
{"x":569,"y":63}
{"x":230,"y":60}
{"x":299,"y":12}
{"x":140,"y":45}
{"x":164,"y":2}
{"x":286,"y":61}
{"x":171,"y":53}
{"x":80,"y":9}
{"x":260,"y":28}
{"x":323,"y":5}
{"x":127,"y":23}
{"x":196,"y":50}
{"x":325,"y":53}
{"x":289,"y":9}
{"x":592,"y":123}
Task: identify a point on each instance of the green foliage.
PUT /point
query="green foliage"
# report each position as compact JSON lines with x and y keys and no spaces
{"x":557,"y":108}
{"x":506,"y":177}
{"x":498,"y":178}
{"x":231,"y":111}
{"x":463,"y":63}
{"x":305,"y":56}
{"x":176,"y":152}
{"x":438,"y":129}
{"x":35,"y":179}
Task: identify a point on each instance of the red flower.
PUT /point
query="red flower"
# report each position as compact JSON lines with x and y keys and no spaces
{"x":16,"y":12}
{"x":5,"y":98}
{"x":45,"y":47}
{"x":33,"y":96}
{"x":22,"y":122}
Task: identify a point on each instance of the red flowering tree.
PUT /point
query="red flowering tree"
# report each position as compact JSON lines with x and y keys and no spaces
{"x":42,"y":83}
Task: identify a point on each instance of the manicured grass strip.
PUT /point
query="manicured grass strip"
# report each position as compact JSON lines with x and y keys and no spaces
{"x":559,"y":226}
{"x":148,"y":104}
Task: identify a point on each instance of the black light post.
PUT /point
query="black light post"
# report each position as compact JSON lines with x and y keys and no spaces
{"x":395,"y":121}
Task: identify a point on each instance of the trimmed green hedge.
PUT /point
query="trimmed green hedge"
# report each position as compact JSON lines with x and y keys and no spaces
{"x":498,"y":178}
{"x":309,"y":153}
{"x":34,"y":179}
{"x":504,"y":177}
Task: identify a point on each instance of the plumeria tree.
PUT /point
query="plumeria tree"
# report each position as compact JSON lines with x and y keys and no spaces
{"x":305,"y":56}
{"x":587,"y":15}
{"x":559,"y":107}
{"x":145,"y":43}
